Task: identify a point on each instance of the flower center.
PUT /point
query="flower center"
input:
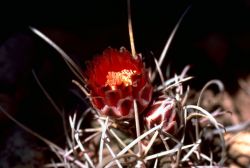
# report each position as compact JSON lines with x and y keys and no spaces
{"x":117,"y":78}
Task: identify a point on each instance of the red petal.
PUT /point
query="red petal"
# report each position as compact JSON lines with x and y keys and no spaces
{"x":125,"y":91}
{"x":107,"y":111}
{"x":146,"y":94}
{"x":98,"y":102}
{"x":112,"y":97}
{"x":125,"y":107}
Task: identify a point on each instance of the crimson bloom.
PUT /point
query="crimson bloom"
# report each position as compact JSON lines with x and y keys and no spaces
{"x":115,"y":79}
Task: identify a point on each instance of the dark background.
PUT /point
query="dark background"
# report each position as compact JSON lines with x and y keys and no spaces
{"x":214,"y":38}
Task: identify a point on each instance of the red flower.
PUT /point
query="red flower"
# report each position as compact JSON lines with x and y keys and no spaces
{"x":163,"y":110}
{"x":114,"y":80}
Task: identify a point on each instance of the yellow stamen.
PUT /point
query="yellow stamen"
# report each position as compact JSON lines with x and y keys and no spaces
{"x":117,"y":78}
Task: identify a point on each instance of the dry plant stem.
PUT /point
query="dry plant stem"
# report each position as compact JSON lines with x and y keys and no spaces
{"x":109,"y":165}
{"x":170,"y":83}
{"x":151,"y":142}
{"x":86,"y":155}
{"x":177,"y":83}
{"x":130,"y":30}
{"x":234,"y":128}
{"x":140,"y":164}
{"x":55,"y":165}
{"x":164,"y":52}
{"x":71,"y":64}
{"x":178,"y":90}
{"x":91,"y":137}
{"x":216,"y":113}
{"x":180,"y":144}
{"x":137,"y":126}
{"x":159,"y":71}
{"x":179,"y":151}
{"x":221,"y":88}
{"x":85,"y":140}
{"x":195,"y":115}
{"x":72,"y":126}
{"x":76,"y":137}
{"x":99,"y":129}
{"x":168,"y":70}
{"x":51,"y":144}
{"x":65,"y":129}
{"x":113,"y":155}
{"x":197,"y":153}
{"x":165,"y":145}
{"x":172,"y":138}
{"x":124,"y":150}
{"x":178,"y":155}
{"x":215,"y":123}
{"x":216,"y":82}
{"x":156,"y":163}
{"x":185,"y":97}
{"x":182,"y":139}
{"x":211,"y":156}
{"x":59,"y":164}
{"x":46,"y":94}
{"x":103,"y":136}
{"x":81,"y":88}
{"x":62,"y":114}
{"x":77,"y":131}
{"x":184,"y":72}
{"x":60,"y":157}
{"x":120,"y":141}
{"x":166,"y":153}
{"x":193,"y":149}
{"x":138,"y":139}
{"x":84,"y":114}
{"x":210,"y":159}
